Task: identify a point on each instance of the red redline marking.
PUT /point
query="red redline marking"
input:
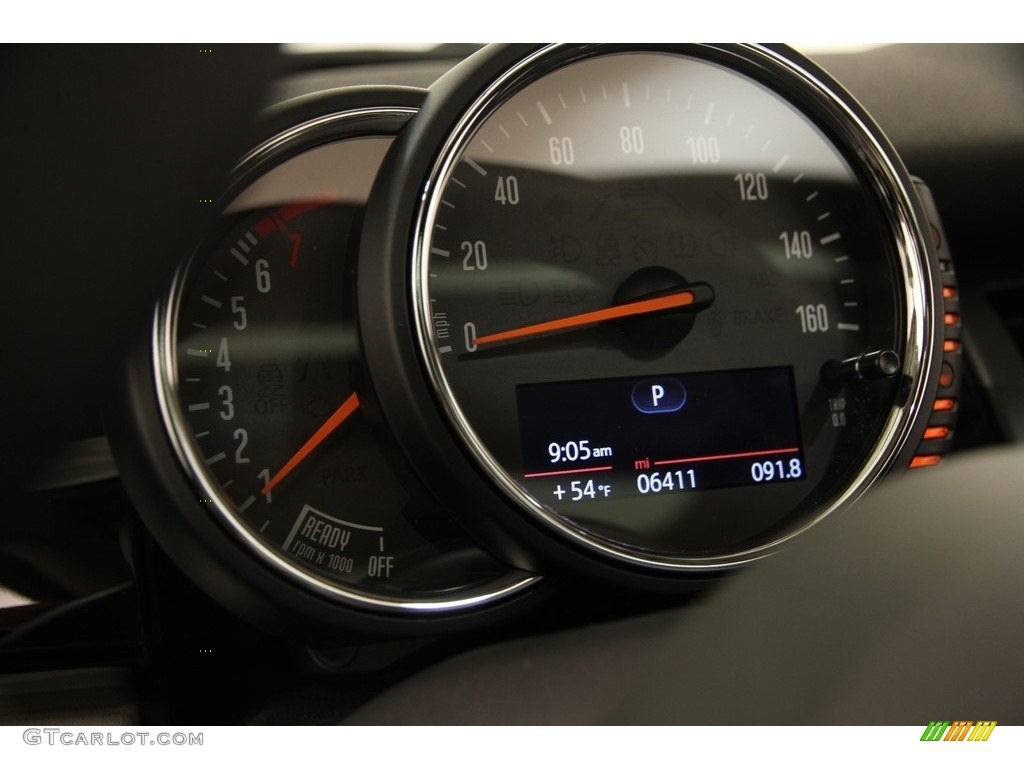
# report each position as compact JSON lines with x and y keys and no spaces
{"x":725,"y":456}
{"x":264,"y":226}
{"x":568,"y":471}
{"x":290,"y":211}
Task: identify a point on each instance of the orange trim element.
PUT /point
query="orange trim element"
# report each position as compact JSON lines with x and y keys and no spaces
{"x":950,"y":345}
{"x":925,"y":461}
{"x":936,"y":433}
{"x":959,"y":730}
{"x":944,"y":404}
{"x":946,"y":375}
{"x":346,"y":409}
{"x":672,"y":301}
{"x":952,"y":318}
{"x":948,"y":292}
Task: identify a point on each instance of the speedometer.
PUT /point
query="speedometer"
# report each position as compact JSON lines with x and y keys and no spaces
{"x":674,"y":303}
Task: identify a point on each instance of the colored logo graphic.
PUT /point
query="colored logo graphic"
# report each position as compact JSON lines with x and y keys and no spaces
{"x":958,"y":730}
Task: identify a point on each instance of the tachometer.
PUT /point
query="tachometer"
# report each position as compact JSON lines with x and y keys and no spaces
{"x":673,"y":302}
{"x":259,"y":376}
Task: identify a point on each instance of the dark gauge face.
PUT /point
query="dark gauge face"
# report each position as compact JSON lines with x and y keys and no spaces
{"x":265,"y":399}
{"x":664,"y":305}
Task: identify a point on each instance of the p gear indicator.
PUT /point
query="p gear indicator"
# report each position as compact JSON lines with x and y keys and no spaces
{"x":593,"y":440}
{"x":659,"y":395}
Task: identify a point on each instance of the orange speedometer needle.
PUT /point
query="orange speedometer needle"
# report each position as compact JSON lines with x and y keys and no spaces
{"x":642,"y":307}
{"x":336,"y":419}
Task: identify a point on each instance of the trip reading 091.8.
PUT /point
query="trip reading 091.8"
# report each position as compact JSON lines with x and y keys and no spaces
{"x":767,"y":471}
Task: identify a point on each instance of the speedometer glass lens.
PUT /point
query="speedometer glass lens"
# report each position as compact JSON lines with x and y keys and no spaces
{"x":663,"y":304}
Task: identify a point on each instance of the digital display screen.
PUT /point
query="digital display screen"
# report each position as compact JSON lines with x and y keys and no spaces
{"x":613,"y":438}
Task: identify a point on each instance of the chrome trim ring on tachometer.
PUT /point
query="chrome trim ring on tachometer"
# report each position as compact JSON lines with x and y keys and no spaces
{"x":605,"y":225}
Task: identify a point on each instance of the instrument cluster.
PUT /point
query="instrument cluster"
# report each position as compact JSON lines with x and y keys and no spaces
{"x":636,"y":313}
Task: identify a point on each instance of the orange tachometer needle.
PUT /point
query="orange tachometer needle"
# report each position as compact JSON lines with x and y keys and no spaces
{"x":345,"y":410}
{"x":644,"y":306}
